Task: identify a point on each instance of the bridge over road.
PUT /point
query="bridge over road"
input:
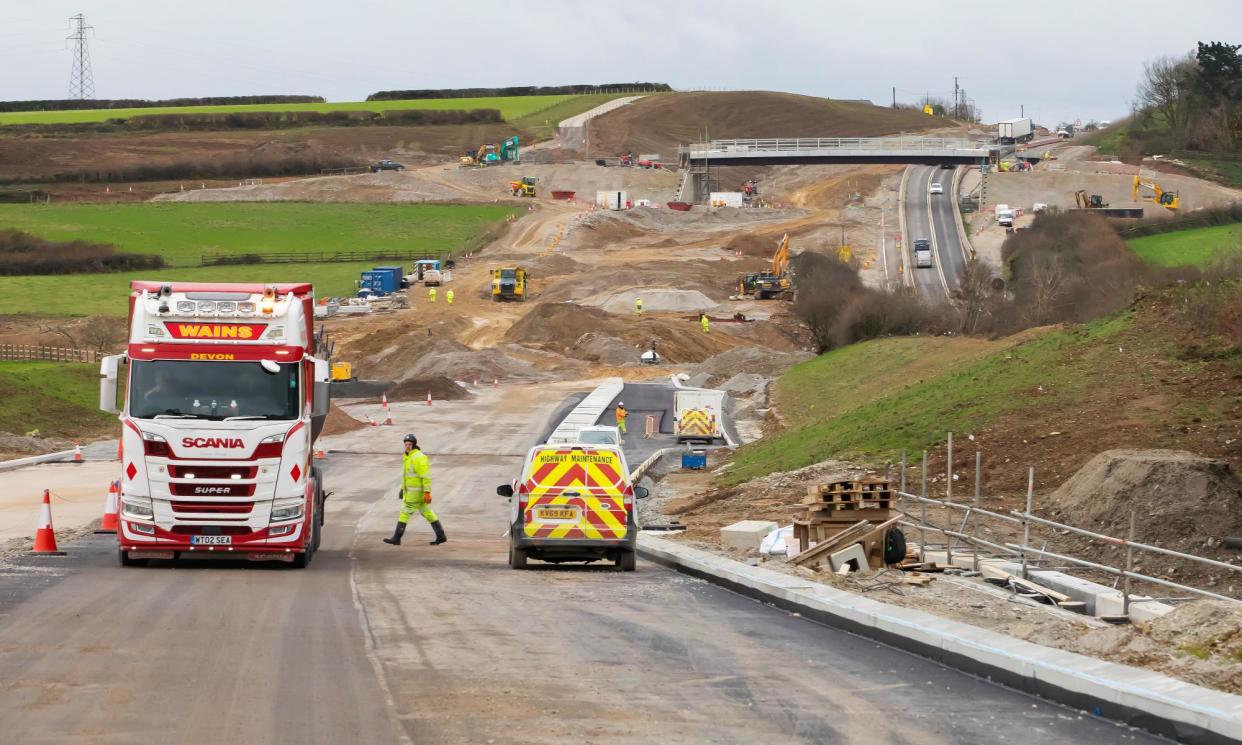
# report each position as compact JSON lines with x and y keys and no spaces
{"x":781,"y":151}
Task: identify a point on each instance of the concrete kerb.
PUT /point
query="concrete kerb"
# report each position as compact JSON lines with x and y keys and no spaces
{"x":968,"y":248}
{"x":1140,"y":698}
{"x":906,"y":276}
{"x":33,"y":460}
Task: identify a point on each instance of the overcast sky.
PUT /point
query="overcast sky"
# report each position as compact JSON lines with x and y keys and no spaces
{"x":1060,"y":60}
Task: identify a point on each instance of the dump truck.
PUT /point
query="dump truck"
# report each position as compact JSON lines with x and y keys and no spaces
{"x":221,"y":403}
{"x":523,"y":187}
{"x":698,"y":414}
{"x":509,"y":283}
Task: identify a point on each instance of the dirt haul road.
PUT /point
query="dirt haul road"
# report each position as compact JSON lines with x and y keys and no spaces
{"x":378,"y":644}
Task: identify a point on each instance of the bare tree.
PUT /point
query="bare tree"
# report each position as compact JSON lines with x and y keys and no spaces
{"x":1047,"y":281}
{"x":1167,"y":88}
{"x":102,"y":334}
{"x":975,"y":296}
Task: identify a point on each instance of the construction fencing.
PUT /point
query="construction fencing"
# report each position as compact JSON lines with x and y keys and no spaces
{"x":51,"y":354}
{"x":1003,"y":529}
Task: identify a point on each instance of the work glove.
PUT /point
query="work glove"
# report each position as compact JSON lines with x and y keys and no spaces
{"x":427,"y":497}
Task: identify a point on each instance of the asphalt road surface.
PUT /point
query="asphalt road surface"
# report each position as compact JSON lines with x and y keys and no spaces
{"x":930,"y":216}
{"x":417,"y":644}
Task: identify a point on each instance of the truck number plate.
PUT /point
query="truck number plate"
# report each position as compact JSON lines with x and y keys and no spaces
{"x":211,"y":540}
{"x":547,"y":514}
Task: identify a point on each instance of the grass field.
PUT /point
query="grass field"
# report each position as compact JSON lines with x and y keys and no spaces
{"x":1194,"y":247}
{"x":511,"y":108}
{"x":541,"y":124}
{"x":842,"y":408}
{"x":105,"y":294}
{"x":181,"y":232}
{"x":56,"y":398}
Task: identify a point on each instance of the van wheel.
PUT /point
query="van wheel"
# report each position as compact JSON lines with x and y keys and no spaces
{"x":517,"y":557}
{"x":627,"y":562}
{"x":123,"y":556}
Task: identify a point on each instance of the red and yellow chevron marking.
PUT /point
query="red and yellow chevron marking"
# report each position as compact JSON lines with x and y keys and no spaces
{"x":590,"y":482}
{"x":696,"y":422}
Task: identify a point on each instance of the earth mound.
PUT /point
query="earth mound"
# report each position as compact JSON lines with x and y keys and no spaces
{"x":416,"y":389}
{"x":1179,"y":498}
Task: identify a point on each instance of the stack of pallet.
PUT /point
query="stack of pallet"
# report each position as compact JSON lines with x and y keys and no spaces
{"x":833,"y":508}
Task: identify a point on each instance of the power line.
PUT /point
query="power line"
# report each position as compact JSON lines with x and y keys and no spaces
{"x":81,"y":79}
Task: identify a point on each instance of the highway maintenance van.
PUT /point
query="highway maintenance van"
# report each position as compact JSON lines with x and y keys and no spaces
{"x":573,"y":502}
{"x":698,"y":414}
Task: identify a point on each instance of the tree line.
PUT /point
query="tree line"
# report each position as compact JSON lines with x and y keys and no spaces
{"x":520,"y":90}
{"x":197,"y":121}
{"x":1192,"y":102}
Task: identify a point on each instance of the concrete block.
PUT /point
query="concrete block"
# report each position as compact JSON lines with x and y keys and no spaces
{"x":747,"y":534}
{"x":853,"y":555}
{"x":1147,"y":610}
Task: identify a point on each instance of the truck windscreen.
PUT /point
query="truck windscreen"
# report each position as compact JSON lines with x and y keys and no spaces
{"x":213,"y":390}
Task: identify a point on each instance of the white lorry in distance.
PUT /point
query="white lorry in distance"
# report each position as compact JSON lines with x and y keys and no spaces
{"x":1004,"y":215}
{"x":699,"y":414}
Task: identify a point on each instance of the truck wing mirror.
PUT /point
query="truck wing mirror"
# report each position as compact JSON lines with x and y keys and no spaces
{"x":505,"y":490}
{"x":109,"y":368}
{"x":641,"y":492}
{"x":321,"y":400}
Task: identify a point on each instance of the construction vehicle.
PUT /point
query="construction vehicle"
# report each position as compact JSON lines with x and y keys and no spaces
{"x":750,"y":191}
{"x":1089,"y":202}
{"x":487,"y":154}
{"x":773,"y":283}
{"x":223,"y":398}
{"x":509,"y":150}
{"x":342,"y":372}
{"x":509,"y":283}
{"x":524,"y":187}
{"x":1167,"y":199}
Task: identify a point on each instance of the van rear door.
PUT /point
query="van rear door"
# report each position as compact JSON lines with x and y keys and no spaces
{"x":576,"y":492}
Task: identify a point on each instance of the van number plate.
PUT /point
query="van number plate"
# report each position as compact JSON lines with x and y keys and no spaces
{"x":211,"y":540}
{"x":548,"y":514}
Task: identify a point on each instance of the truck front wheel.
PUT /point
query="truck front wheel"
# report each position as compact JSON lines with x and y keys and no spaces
{"x":628,"y":561}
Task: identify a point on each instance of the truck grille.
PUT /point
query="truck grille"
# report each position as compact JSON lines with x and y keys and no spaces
{"x":212,"y":472}
{"x":211,"y":529}
{"x":213,"y":508}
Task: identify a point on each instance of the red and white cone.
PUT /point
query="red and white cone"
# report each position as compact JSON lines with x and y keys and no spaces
{"x":429,"y":398}
{"x":77,"y":452}
{"x":112,"y":510}
{"x":387,"y":411}
{"x":45,"y":536}
{"x":371,"y":421}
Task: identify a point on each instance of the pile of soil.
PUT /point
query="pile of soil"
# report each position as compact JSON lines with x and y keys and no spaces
{"x":1179,"y":498}
{"x":756,"y":360}
{"x":338,"y":422}
{"x":416,"y":389}
{"x":416,"y":356}
{"x":750,"y":244}
{"x":658,"y":124}
{"x":551,"y":265}
{"x":604,"y":349}
{"x":655,"y":300}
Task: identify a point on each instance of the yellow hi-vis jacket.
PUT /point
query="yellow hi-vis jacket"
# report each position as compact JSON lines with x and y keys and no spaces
{"x":416,"y":472}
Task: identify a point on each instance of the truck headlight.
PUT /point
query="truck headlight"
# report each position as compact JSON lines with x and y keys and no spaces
{"x":287,"y":513}
{"x":138,"y":509}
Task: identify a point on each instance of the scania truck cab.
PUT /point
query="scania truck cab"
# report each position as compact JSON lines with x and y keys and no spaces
{"x":220,"y":398}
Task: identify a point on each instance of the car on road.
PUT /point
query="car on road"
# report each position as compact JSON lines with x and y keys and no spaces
{"x":922,"y":254}
{"x":935,"y":188}
{"x":573,"y":502}
{"x":386,"y":165}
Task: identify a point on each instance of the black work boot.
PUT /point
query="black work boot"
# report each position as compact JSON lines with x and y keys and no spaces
{"x":439,"y":529}
{"x":396,"y":536}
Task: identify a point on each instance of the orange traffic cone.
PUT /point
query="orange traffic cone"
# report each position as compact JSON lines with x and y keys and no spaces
{"x":387,"y":411}
{"x":112,"y":510}
{"x":77,"y":452}
{"x":371,"y":421}
{"x":429,"y":398}
{"x":320,"y":455}
{"x":45,"y":537}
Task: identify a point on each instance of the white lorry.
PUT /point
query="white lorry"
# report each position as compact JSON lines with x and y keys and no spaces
{"x":699,"y":414}
{"x":1013,"y":131}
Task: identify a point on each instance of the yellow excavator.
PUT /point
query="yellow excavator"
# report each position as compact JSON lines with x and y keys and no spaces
{"x":1167,"y":199}
{"x":486,"y":155}
{"x":776,"y":282}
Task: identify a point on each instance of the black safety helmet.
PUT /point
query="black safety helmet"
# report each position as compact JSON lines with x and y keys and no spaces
{"x":410,"y":438}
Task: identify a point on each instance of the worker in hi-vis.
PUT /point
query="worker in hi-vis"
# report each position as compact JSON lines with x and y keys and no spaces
{"x":704,"y":323}
{"x":448,"y":296}
{"x":638,"y":305}
{"x":431,"y":294}
{"x":622,"y":414}
{"x":415,"y":492}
